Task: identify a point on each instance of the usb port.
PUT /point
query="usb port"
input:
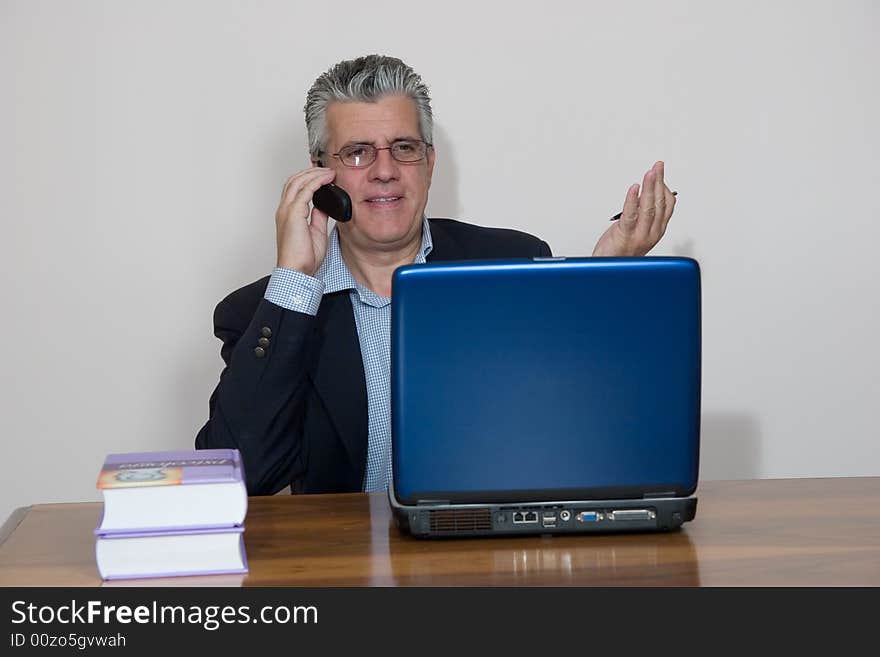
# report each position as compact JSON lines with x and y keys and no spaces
{"x":549,"y":522}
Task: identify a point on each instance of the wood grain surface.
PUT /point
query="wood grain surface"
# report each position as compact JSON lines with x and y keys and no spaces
{"x":786,"y":532}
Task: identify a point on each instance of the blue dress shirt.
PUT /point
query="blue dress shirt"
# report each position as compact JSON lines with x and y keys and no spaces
{"x":296,"y":291}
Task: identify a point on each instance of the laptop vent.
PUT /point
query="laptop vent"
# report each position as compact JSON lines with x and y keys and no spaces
{"x":460,"y":520}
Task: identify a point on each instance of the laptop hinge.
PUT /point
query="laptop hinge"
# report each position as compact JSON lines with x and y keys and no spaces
{"x":431,"y":502}
{"x":665,"y":493}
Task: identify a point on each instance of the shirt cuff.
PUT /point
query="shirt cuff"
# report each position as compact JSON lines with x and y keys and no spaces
{"x":294,"y":290}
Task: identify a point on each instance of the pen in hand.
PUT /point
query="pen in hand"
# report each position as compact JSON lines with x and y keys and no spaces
{"x":618,"y":215}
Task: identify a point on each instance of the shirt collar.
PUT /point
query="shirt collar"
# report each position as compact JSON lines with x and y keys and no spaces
{"x":336,"y":276}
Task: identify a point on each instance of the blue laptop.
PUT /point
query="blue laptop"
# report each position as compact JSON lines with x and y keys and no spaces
{"x":545,"y":396}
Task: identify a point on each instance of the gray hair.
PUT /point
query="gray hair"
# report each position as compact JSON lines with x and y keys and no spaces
{"x":366,"y":80}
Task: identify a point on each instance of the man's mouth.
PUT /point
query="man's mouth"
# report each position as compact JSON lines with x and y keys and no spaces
{"x":383,"y":199}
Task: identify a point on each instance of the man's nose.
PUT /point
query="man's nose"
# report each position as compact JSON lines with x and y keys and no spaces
{"x":385,"y":166}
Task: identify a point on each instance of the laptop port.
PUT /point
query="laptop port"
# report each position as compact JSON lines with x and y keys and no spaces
{"x":565,"y":516}
{"x":549,"y":522}
{"x":632,"y":514}
{"x":525,"y":517}
{"x":589,"y":516}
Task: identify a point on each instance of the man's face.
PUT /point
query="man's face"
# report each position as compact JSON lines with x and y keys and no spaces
{"x":376,"y":222}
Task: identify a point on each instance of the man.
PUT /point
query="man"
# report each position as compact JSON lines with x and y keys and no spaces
{"x":305,"y":392}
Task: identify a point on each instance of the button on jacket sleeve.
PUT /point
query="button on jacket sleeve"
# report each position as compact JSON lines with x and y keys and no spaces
{"x":257,"y":406}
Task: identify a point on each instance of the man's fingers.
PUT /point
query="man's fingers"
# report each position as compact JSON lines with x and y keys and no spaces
{"x":656,"y":230}
{"x":647,"y":211}
{"x":319,"y":222}
{"x":670,"y":208}
{"x":630,"y":213}
{"x":292,"y":184}
{"x":659,"y":189}
{"x":293,"y":179}
{"x":300,"y":190}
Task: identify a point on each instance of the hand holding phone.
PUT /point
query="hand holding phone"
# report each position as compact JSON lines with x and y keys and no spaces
{"x":300,"y":228}
{"x":333,"y":201}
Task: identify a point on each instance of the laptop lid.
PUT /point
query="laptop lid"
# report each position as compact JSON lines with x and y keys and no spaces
{"x":558,"y":378}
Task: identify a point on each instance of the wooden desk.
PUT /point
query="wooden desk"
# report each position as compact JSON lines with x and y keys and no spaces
{"x":763,"y":532}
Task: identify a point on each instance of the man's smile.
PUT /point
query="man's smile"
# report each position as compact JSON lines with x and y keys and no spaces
{"x":384,"y":202}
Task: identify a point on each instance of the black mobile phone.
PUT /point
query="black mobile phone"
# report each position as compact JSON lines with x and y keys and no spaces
{"x":333,"y":200}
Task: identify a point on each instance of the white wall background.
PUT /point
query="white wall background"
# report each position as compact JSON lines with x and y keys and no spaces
{"x":143,"y":146}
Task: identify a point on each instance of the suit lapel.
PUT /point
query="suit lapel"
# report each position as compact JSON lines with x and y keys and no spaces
{"x":339,"y":375}
{"x":445,"y":247}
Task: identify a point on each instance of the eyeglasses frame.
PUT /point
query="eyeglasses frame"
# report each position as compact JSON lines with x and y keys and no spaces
{"x":428,"y":146}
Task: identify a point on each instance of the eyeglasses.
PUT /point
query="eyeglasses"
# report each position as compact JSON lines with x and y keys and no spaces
{"x":407,"y":151}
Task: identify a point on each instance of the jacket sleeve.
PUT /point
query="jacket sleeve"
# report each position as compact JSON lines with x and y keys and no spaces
{"x":258,"y":405}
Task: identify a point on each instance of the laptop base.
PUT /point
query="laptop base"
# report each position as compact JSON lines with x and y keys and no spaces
{"x":438,"y":520}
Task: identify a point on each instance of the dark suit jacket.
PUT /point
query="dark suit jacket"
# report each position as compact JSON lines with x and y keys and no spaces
{"x":298,"y":413}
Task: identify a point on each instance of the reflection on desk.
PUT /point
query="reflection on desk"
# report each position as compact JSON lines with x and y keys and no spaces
{"x":665,"y":559}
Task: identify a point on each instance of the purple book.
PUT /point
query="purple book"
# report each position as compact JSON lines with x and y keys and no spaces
{"x":172,"y":491}
{"x":171,"y":553}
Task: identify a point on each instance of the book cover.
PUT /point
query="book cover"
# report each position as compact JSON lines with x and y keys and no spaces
{"x":177,"y":553}
{"x":175,"y":490}
{"x":144,"y":469}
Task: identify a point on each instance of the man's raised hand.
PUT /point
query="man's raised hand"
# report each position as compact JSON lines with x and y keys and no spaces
{"x":302,"y":244}
{"x":643,"y":220}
